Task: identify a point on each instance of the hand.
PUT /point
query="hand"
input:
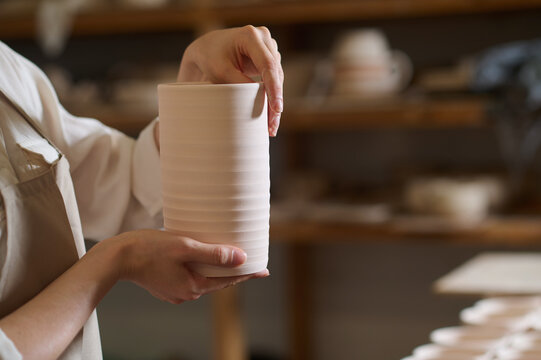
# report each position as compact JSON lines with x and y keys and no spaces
{"x":159,"y":262}
{"x":232,"y":56}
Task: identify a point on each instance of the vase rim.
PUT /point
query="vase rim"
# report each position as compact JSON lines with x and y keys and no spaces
{"x":203,"y":84}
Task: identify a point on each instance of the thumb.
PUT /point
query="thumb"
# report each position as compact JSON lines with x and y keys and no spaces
{"x":220,"y":255}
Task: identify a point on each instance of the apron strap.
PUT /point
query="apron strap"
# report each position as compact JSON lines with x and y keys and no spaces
{"x":28,"y":119}
{"x":7,"y":173}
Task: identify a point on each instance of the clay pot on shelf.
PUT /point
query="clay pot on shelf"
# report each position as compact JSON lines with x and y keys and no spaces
{"x":364,"y":66}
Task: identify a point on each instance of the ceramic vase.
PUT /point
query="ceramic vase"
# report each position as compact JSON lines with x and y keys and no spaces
{"x":214,"y":154}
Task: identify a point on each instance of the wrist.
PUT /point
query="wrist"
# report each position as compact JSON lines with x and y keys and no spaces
{"x":110,"y":256}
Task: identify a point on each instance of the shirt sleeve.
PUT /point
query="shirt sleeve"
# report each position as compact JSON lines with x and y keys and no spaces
{"x":8,"y":351}
{"x":116,"y":178}
{"x":146,"y":171}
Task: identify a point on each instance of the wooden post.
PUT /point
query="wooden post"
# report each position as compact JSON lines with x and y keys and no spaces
{"x":301,"y":306}
{"x":229,"y":342}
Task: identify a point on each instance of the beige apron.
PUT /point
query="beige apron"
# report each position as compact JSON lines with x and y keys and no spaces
{"x":44,"y":236}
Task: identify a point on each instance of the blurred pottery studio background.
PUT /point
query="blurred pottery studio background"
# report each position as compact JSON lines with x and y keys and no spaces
{"x":409,"y":145}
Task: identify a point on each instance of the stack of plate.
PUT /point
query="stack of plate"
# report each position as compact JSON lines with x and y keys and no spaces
{"x":214,"y":150}
{"x":506,"y":328}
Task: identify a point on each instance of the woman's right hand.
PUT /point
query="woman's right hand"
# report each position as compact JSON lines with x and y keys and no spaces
{"x":159,"y":261}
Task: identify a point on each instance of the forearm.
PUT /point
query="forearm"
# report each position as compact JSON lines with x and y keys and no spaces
{"x":44,"y":327}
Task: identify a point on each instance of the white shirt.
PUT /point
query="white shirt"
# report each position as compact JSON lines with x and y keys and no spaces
{"x":116,"y":179}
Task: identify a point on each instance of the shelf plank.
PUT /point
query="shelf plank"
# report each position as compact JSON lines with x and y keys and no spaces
{"x":113,"y":20}
{"x":464,"y":113}
{"x":130,"y":119}
{"x":506,"y":231}
{"x":119,"y":20}
{"x":134,"y":21}
{"x":334,"y":11}
{"x":468,"y":112}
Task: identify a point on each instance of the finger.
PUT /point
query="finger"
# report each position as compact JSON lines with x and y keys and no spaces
{"x":230,"y":75}
{"x":212,"y":254}
{"x":274,"y":46}
{"x":249,"y":68}
{"x":217,"y":283}
{"x":269,"y":69}
{"x":271,"y":44}
{"x":273,"y":115}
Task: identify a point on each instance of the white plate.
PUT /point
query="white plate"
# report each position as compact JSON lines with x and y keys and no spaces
{"x":494,"y":315}
{"x":433,"y":351}
{"x":481,"y":337}
{"x":509,"y":302}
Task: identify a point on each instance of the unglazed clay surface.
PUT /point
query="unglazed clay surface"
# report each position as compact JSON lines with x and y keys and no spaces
{"x":214,"y":153}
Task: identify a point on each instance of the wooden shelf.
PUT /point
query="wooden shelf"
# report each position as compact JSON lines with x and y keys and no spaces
{"x":306,"y":11}
{"x":130,"y":119}
{"x":117,"y":20}
{"x":461,"y":112}
{"x":507,"y":231}
{"x":466,"y":112}
{"x":113,"y":20}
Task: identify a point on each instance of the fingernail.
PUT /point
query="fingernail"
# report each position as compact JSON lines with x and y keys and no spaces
{"x":275,"y":124}
{"x":278,"y":104}
{"x":272,"y":131}
{"x":238,"y":257}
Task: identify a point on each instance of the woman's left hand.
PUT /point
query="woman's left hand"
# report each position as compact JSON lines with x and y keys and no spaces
{"x":232,"y":56}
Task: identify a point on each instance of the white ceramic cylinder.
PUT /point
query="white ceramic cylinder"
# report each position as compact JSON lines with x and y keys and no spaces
{"x":214,"y":154}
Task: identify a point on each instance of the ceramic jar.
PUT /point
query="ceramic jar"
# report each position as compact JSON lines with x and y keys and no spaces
{"x":214,"y":153}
